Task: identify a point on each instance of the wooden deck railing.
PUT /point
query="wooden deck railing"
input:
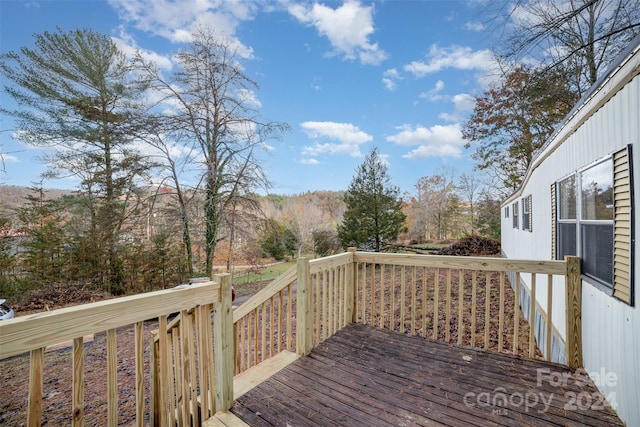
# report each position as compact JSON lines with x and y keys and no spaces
{"x":175,"y":353}
{"x":465,"y":300}
{"x":193,"y":357}
{"x":263,"y":325}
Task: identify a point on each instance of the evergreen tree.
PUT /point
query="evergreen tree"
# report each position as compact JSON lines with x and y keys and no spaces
{"x":278,"y":240}
{"x":44,"y":256}
{"x":75,"y":94}
{"x":374,"y":214}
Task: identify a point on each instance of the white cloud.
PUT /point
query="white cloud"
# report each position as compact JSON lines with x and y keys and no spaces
{"x":347,"y":27}
{"x":435,"y":141}
{"x":458,"y":57}
{"x":434,"y":94}
{"x":176,"y":20}
{"x":8,"y":158}
{"x":309,"y":162}
{"x":390,"y":78}
{"x":349,"y":138}
{"x":249,"y":97}
{"x":463,"y":103}
{"x":129,"y":47}
{"x":474,"y":26}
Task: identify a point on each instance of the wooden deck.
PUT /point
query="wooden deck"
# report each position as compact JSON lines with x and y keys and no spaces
{"x":364,"y":376}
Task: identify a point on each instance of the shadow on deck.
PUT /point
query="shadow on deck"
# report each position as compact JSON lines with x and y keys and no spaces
{"x":365,"y":376}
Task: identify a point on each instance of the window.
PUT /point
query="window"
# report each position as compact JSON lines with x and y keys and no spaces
{"x":566,"y":217}
{"x":514,"y":208}
{"x":596,"y":222}
{"x":526,"y":213}
{"x":506,"y":211}
{"x":592,"y":220}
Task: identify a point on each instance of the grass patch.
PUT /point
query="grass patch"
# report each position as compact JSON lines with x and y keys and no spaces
{"x":249,"y":281}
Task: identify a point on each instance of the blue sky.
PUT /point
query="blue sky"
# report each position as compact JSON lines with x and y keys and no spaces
{"x":399,"y":75}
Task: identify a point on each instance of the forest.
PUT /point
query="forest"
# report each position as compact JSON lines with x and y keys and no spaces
{"x":43,"y":237}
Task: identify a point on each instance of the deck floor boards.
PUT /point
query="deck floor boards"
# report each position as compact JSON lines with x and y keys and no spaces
{"x":371,"y":377}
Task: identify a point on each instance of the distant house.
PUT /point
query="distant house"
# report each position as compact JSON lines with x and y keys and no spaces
{"x":578,"y":199}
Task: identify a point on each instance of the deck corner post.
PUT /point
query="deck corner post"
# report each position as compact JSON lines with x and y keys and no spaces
{"x":574,"y":312}
{"x":303,"y":309}
{"x":223,"y":345}
{"x":350,"y":294}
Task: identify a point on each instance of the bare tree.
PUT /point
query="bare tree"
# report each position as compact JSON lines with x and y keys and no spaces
{"x":469,"y":186}
{"x":582,"y":36}
{"x":217,"y":111}
{"x":437,"y":203}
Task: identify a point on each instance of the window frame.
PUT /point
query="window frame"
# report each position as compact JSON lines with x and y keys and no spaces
{"x":527,"y":217}
{"x":606,"y":285}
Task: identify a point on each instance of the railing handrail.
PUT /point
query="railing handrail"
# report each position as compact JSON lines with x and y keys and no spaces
{"x":329,"y":262}
{"x":466,"y":263}
{"x":26,"y":333}
{"x":257,"y":299}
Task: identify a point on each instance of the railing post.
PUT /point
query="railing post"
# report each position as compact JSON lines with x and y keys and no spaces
{"x":304,"y":341}
{"x":350,"y":294}
{"x":223,"y":345}
{"x":574,"y":312}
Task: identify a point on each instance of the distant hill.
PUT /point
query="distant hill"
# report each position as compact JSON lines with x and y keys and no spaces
{"x":13,"y":196}
{"x":328,"y":203}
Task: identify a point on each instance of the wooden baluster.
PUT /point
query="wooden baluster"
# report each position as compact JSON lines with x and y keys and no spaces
{"x":112,"y":379}
{"x":372,"y":308}
{"x":460,"y":306}
{"x":289,"y":317}
{"x":280,"y":320}
{"x":549,"y":319}
{"x":424,"y":301}
{"x":201,"y":318}
{"x":501,"y":315}
{"x":516,"y":314}
{"x":263,"y":333}
{"x":402,"y":298}
{"x":138,"y":334}
{"x":77,"y":389}
{"x":414,"y":292}
{"x":392,"y":297}
{"x":436,"y":307}
{"x":272,"y":326}
{"x":487,"y":308}
{"x":447,"y":329}
{"x":532,"y":317}
{"x":474,"y":300}
{"x":34,"y":417}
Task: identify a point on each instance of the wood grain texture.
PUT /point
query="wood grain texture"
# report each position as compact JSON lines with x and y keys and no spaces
{"x":26,"y":333}
{"x":365,"y":376}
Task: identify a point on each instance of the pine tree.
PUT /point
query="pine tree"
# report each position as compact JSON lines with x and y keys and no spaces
{"x":374,"y":216}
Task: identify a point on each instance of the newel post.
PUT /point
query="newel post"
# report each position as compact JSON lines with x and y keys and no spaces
{"x":223,"y":345}
{"x":303,"y":309}
{"x":350,"y":293}
{"x":574,"y":312}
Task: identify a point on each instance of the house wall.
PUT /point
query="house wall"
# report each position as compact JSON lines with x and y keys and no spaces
{"x":604,"y":123}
